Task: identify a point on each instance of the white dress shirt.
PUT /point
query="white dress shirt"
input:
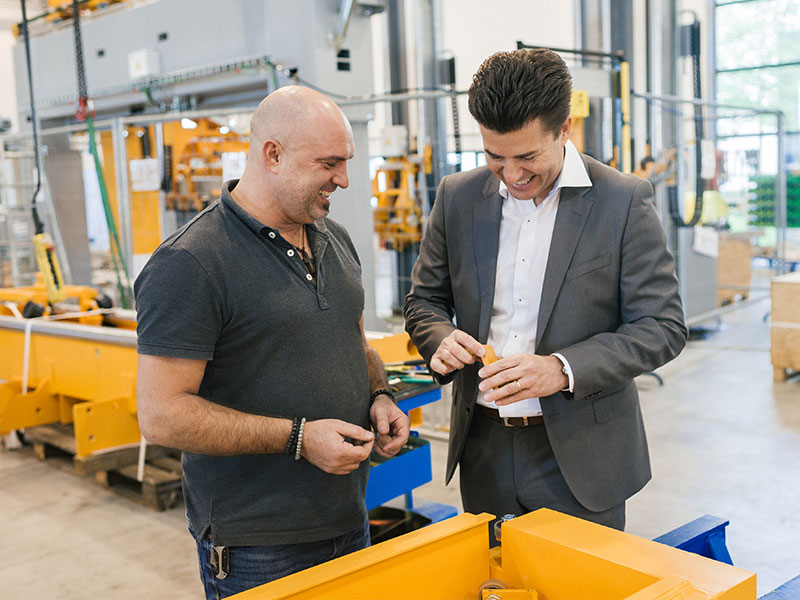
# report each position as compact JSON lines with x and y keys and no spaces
{"x":525,"y":234}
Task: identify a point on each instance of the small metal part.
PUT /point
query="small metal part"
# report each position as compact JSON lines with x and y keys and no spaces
{"x":499,"y":523}
{"x":220,"y":561}
{"x":491,"y":584}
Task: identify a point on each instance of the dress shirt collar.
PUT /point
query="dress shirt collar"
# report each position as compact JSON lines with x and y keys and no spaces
{"x":573,"y":173}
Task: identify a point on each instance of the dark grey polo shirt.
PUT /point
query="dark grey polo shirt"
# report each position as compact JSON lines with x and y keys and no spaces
{"x":228,"y":290}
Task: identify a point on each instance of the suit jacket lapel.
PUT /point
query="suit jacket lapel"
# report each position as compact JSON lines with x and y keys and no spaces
{"x":487,"y":212}
{"x":573,"y":209}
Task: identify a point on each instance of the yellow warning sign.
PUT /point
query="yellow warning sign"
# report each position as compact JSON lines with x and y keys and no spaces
{"x":580,"y":104}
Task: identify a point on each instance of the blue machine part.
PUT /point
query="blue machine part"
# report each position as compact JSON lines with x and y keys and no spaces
{"x":704,"y":536}
{"x":394,"y":477}
{"x":788,"y":591}
{"x":411,"y":467}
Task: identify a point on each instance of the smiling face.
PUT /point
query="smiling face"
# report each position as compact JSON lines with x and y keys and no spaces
{"x":311,"y":166}
{"x":527,"y":160}
{"x":314,"y":166}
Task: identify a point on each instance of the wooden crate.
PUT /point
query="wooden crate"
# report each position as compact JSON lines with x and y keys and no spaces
{"x":785,"y":329}
{"x":733,"y":268}
{"x":159,"y":489}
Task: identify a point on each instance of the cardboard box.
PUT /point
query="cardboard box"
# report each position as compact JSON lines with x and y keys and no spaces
{"x":733,"y":269}
{"x":785,"y":326}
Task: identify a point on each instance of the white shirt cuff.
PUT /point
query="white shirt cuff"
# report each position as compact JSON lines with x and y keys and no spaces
{"x":564,"y":362}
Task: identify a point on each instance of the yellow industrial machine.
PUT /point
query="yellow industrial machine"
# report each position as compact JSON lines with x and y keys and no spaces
{"x":544,"y":555}
{"x":49,"y":295}
{"x":197,"y":173}
{"x":398,"y":213}
{"x":61,"y":10}
{"x":59,"y":372}
{"x":84,"y":374}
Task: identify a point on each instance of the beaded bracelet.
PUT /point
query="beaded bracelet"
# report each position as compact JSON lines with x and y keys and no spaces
{"x":380,"y":392}
{"x":300,"y":438}
{"x":292,"y":441}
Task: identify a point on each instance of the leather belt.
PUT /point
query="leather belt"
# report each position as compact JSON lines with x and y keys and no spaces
{"x":494,"y":415}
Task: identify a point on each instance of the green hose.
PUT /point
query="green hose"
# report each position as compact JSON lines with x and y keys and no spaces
{"x":125,"y":293}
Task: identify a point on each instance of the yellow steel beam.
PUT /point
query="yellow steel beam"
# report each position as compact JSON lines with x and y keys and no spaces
{"x":546,"y":550}
{"x":544,"y":554}
{"x":86,"y":374}
{"x":18,"y":410}
{"x":102,"y":424}
{"x":444,"y":560}
{"x":81,"y":373}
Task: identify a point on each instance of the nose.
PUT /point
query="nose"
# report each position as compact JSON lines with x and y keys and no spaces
{"x":340,"y":177}
{"x":513,"y":171}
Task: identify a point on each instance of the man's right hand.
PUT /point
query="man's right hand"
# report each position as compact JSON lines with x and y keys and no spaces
{"x":326,"y":445}
{"x":456,"y":350}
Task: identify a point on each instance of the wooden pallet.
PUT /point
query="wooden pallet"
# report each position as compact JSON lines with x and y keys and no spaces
{"x":160,"y":488}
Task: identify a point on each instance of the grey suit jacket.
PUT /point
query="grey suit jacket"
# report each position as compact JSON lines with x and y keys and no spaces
{"x":609,"y":304}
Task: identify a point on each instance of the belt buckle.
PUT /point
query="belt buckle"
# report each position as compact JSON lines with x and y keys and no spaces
{"x":507,"y":423}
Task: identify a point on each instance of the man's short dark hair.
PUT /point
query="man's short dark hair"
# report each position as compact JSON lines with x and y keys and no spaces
{"x":511,"y":89}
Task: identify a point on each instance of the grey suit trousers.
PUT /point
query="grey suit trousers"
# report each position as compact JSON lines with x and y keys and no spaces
{"x":512,"y":470}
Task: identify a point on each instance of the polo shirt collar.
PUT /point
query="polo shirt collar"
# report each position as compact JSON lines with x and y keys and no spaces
{"x":248,"y":219}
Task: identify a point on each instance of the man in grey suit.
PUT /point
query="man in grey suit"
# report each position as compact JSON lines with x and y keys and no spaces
{"x":560,"y":264}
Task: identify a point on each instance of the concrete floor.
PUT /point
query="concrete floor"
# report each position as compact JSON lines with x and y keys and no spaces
{"x":724,"y":440}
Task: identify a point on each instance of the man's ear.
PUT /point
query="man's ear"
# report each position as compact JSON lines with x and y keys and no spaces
{"x":272,"y":153}
{"x":566,"y":128}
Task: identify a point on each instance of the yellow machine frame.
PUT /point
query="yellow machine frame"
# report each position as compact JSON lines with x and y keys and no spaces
{"x":80,"y":374}
{"x":86,"y":375}
{"x":544,"y":554}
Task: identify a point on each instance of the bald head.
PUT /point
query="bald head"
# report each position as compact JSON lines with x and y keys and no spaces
{"x":294,"y":115}
{"x":300,"y":142}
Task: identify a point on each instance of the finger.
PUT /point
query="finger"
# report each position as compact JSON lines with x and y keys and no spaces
{"x":386,"y":449}
{"x":502,"y":364}
{"x":381,"y":418}
{"x":511,"y":392}
{"x":448,"y":359}
{"x":466,"y":341}
{"x":355,"y":432}
{"x":379,"y":449}
{"x":498,"y":380}
{"x":356,"y":454}
{"x":440,"y":366}
{"x":391,"y":445}
{"x":506,"y":390}
{"x":458,"y":355}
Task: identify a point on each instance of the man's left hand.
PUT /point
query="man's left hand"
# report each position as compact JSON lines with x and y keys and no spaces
{"x":391,"y":426}
{"x":522,"y":376}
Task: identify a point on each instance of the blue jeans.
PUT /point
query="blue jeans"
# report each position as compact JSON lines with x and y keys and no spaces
{"x":251,"y":566}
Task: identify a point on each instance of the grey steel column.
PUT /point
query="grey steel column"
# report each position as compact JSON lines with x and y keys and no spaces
{"x":398,"y":51}
{"x":119,"y":133}
{"x":781,"y":217}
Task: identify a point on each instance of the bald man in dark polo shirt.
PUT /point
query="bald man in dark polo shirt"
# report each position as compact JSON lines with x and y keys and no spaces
{"x":253,"y":360}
